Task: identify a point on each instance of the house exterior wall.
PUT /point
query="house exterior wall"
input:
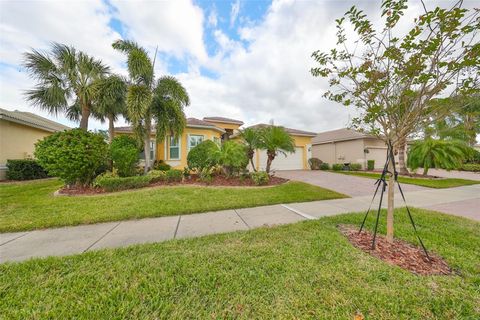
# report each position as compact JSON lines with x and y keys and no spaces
{"x":17,"y":141}
{"x":301,"y":142}
{"x":340,"y":152}
{"x":225,"y":125}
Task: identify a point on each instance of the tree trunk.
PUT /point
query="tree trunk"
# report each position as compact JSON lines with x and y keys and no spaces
{"x":84,"y":118}
{"x":148,"y":129}
{"x":390,"y":202}
{"x":270,"y":157}
{"x":250,"y":155}
{"x":111,"y":128}
{"x":425,"y":171}
{"x":401,"y":159}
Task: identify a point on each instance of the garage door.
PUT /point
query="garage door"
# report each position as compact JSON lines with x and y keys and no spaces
{"x":293,"y":161}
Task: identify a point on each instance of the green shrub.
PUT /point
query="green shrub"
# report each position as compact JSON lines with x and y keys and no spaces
{"x":73,"y":155}
{"x":157,"y":175}
{"x":470,"y":167}
{"x":124,"y":153}
{"x":324,"y":166}
{"x":370,"y":165}
{"x":315,"y":163}
{"x":186,"y":172}
{"x":110,"y":182}
{"x":260,"y":178}
{"x":206,"y":176}
{"x":24,"y":169}
{"x":355,"y":166}
{"x":174,"y":175}
{"x":161,"y":165}
{"x":337,"y":167}
{"x":202,"y":156}
{"x":232,"y":157}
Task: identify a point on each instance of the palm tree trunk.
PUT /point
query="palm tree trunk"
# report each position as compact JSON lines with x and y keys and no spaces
{"x":111,"y":128}
{"x":84,"y":118}
{"x":390,"y":203}
{"x":425,"y":170}
{"x":250,"y":155}
{"x":270,"y":157}
{"x":401,"y":159}
{"x":148,"y":129}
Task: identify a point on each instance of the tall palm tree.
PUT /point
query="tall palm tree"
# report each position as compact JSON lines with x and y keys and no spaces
{"x":147,"y":100}
{"x":65,"y":80}
{"x":275,"y":140}
{"x":251,"y":139}
{"x":431,"y":153}
{"x":110,"y":101}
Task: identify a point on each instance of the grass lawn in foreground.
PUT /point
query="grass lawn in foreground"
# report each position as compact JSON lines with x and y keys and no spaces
{"x":424,"y":182}
{"x":304,"y":270}
{"x":31,"y":205}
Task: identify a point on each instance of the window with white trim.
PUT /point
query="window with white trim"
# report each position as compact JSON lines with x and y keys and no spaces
{"x":194,"y":140}
{"x":174,"y":151}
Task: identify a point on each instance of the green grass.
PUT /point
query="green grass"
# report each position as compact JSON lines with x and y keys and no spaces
{"x":306,"y":270}
{"x":31,"y":205}
{"x":424,"y":182}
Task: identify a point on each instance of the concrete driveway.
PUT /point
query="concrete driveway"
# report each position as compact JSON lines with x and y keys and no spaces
{"x":346,"y":184}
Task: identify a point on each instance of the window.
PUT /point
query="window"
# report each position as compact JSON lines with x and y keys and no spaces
{"x":174,"y":148}
{"x":194,"y":140}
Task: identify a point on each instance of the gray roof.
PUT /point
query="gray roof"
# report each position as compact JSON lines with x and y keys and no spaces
{"x":222,"y":119}
{"x":31,"y":120}
{"x":343,"y":134}
{"x":293,"y":132}
{"x":191,"y":123}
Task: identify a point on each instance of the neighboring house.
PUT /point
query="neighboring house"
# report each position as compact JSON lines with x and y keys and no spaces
{"x":19,"y":131}
{"x":291,"y":161}
{"x":349,"y":146}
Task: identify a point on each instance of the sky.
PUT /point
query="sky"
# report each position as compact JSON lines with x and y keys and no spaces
{"x":247,"y":60}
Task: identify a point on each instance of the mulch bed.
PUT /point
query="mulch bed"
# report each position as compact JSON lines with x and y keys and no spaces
{"x":399,"y":253}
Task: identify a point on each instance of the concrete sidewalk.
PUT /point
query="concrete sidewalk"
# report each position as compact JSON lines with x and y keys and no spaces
{"x":70,"y":240}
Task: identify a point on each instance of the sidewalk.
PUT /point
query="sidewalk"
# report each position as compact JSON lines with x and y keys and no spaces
{"x":463,"y":201}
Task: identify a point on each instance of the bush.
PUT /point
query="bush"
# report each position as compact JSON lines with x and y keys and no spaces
{"x":470,"y":167}
{"x":260,"y":178}
{"x":124,"y":153}
{"x":73,"y":155}
{"x":324,"y":166}
{"x":161,"y":165}
{"x":157,"y":175}
{"x":315,"y":163}
{"x":202,"y":156}
{"x":24,"y":169}
{"x":110,"y":182}
{"x":206,"y":176}
{"x":232,"y":157}
{"x":174,"y":175}
{"x":370,"y":165}
{"x":337,"y":167}
{"x":355,"y":166}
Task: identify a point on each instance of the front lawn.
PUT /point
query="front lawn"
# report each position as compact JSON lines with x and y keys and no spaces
{"x":31,"y":205}
{"x":305,"y":270}
{"x":424,"y":182}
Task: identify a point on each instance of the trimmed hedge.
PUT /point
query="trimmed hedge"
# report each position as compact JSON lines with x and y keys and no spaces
{"x":174,"y":175}
{"x":203,"y":156}
{"x":25,"y":169}
{"x":371,"y":165}
{"x":324,"y":166}
{"x":157,"y":175}
{"x":470,"y":167}
{"x":337,"y":167}
{"x":355,"y":166}
{"x":161,"y":165}
{"x":111,"y":183}
{"x":124,"y":153}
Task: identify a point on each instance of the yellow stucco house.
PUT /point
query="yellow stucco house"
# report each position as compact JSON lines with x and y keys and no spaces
{"x":175,"y":151}
{"x":19,"y":131}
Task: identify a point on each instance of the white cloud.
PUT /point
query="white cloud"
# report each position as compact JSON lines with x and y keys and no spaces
{"x":213,"y":18}
{"x":234,"y":12}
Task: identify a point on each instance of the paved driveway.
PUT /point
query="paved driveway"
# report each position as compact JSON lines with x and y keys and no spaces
{"x":346,"y":184}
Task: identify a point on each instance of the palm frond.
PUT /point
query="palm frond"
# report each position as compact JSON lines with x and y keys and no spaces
{"x":139,"y":98}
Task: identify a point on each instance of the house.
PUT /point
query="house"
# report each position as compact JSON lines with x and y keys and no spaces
{"x":291,"y":161}
{"x":218,"y":129}
{"x":349,"y":146}
{"x":19,"y":131}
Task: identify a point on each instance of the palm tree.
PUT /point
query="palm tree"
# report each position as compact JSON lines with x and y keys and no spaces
{"x":431,"y":153}
{"x":147,"y":100}
{"x":65,"y":80}
{"x":251,"y":139}
{"x":275,"y":140}
{"x":110,"y":100}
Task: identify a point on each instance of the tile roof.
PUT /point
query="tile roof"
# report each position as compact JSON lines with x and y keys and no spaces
{"x":294,"y":132}
{"x":191,"y":122}
{"x":222,"y":119}
{"x":343,"y":134}
{"x":32,"y":120}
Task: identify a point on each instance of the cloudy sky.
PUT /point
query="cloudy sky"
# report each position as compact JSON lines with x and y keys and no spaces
{"x":247,"y":60}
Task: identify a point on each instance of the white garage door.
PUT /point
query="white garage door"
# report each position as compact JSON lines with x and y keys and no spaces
{"x":293,"y":161}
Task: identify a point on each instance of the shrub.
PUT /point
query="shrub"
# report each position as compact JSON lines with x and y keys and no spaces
{"x":161,"y":165}
{"x":157,"y":175}
{"x":174,"y":175}
{"x":186,"y":172}
{"x":202,"y":156}
{"x":111,"y":183}
{"x":355,"y":166}
{"x":206,"y":176}
{"x":337,"y":167}
{"x":324,"y":166}
{"x":260,"y":178}
{"x":124,"y":153}
{"x":73,"y":155}
{"x":371,"y":164}
{"x":232,"y":157}
{"x":315,"y":163}
{"x":24,"y":169}
{"x":470,"y":167}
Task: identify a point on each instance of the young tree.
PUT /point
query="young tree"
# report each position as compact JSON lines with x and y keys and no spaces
{"x":65,"y":80}
{"x":148,"y":100}
{"x":251,"y":139}
{"x":275,"y":140}
{"x":390,"y":77}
